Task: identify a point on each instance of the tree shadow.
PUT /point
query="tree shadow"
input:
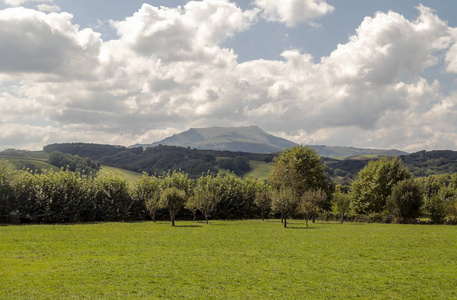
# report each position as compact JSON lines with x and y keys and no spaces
{"x":307,"y":228}
{"x":188,"y":225}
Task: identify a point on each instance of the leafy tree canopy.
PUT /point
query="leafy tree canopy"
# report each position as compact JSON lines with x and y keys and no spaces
{"x":374,"y":184}
{"x":300,"y":168}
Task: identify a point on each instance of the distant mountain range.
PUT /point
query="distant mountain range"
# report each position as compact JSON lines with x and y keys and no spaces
{"x":254,"y":140}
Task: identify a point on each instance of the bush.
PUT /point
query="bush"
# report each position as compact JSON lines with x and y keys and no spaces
{"x":406,"y":200}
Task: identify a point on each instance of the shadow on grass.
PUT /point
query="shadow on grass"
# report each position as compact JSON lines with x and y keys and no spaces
{"x":295,"y":227}
{"x":188,"y":226}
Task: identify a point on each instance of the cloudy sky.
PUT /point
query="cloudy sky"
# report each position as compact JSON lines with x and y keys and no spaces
{"x":362,"y":73}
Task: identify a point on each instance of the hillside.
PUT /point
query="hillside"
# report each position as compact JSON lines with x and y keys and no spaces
{"x":157,"y":160}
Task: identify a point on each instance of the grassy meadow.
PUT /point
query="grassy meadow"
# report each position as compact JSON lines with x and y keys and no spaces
{"x":130,"y":176}
{"x":228,"y":260}
{"x":260,"y":170}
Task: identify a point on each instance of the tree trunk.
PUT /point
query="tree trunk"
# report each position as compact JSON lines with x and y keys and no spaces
{"x":342,"y":218}
{"x":195,"y":214}
{"x":206,"y":217}
{"x":154,"y":216}
{"x":314,"y":218}
{"x":285,"y":222}
{"x":262,"y":217}
{"x":172,"y":217}
{"x":306,"y":220}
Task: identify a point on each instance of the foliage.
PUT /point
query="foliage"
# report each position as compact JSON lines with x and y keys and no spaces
{"x":341,"y":203}
{"x":439,"y":194}
{"x":236,"y":197}
{"x":300,"y":168}
{"x":263,"y":201}
{"x":6,"y":191}
{"x":173,"y":199}
{"x":160,"y":159}
{"x":311,"y":203}
{"x":206,"y":194}
{"x":285,"y":201}
{"x":112,"y":200}
{"x":374,"y":184}
{"x":426,"y":163}
{"x":146,"y":193}
{"x":406,"y":200}
{"x":192,"y":205}
{"x":238,"y":165}
{"x":73,"y":163}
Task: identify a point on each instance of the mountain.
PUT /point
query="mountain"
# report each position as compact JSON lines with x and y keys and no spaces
{"x":245,"y":139}
{"x":254,"y":140}
{"x":356,"y":153}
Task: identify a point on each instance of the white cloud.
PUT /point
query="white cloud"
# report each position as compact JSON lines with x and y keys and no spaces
{"x":293,"y":12}
{"x":15,"y":3}
{"x":48,"y":8}
{"x":167,"y":71}
{"x":36,"y":42}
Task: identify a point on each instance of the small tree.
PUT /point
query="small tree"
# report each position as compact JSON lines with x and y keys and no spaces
{"x":173,"y":199}
{"x":206,"y":194}
{"x":341,"y":204}
{"x":192,"y":205}
{"x":263,"y":201}
{"x":312,"y":202}
{"x":285,"y":202}
{"x":147,"y":190}
{"x":406,"y":200}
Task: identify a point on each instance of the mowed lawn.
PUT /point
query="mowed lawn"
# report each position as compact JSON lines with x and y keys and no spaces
{"x":228,"y":260}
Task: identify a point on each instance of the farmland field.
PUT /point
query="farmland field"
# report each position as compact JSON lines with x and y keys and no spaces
{"x":228,"y":260}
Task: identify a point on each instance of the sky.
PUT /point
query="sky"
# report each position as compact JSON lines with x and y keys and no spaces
{"x":360,"y":73}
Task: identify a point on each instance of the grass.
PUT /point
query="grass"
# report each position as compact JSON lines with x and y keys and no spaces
{"x":228,"y":260}
{"x":37,"y":163}
{"x":130,"y":176}
{"x":260,"y":170}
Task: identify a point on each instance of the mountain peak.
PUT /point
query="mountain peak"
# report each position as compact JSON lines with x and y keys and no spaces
{"x":245,"y":139}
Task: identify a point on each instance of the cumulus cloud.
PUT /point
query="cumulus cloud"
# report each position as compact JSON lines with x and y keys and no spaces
{"x":167,"y":71}
{"x":48,"y":8}
{"x":33,"y":41}
{"x":293,"y":12}
{"x":15,"y":3}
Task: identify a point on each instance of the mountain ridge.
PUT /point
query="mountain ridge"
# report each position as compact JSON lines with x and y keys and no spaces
{"x":254,"y":140}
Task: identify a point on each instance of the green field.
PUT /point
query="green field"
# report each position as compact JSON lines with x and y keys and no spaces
{"x":130,"y":176}
{"x":260,"y":170}
{"x":228,"y":260}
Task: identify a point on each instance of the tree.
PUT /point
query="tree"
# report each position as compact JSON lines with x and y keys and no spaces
{"x":263,"y":201}
{"x":312,"y":202}
{"x":173,"y":199}
{"x":147,"y":191}
{"x":341,"y":203}
{"x":406,"y":200}
{"x":206,"y":194}
{"x":300,"y":168}
{"x":285,"y":201}
{"x":374,"y":184}
{"x":192,"y":205}
{"x":6,"y":189}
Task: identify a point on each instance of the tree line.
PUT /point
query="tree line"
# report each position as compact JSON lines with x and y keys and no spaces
{"x":298,"y":187}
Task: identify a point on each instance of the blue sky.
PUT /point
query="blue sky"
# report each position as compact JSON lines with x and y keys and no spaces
{"x":359,"y":73}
